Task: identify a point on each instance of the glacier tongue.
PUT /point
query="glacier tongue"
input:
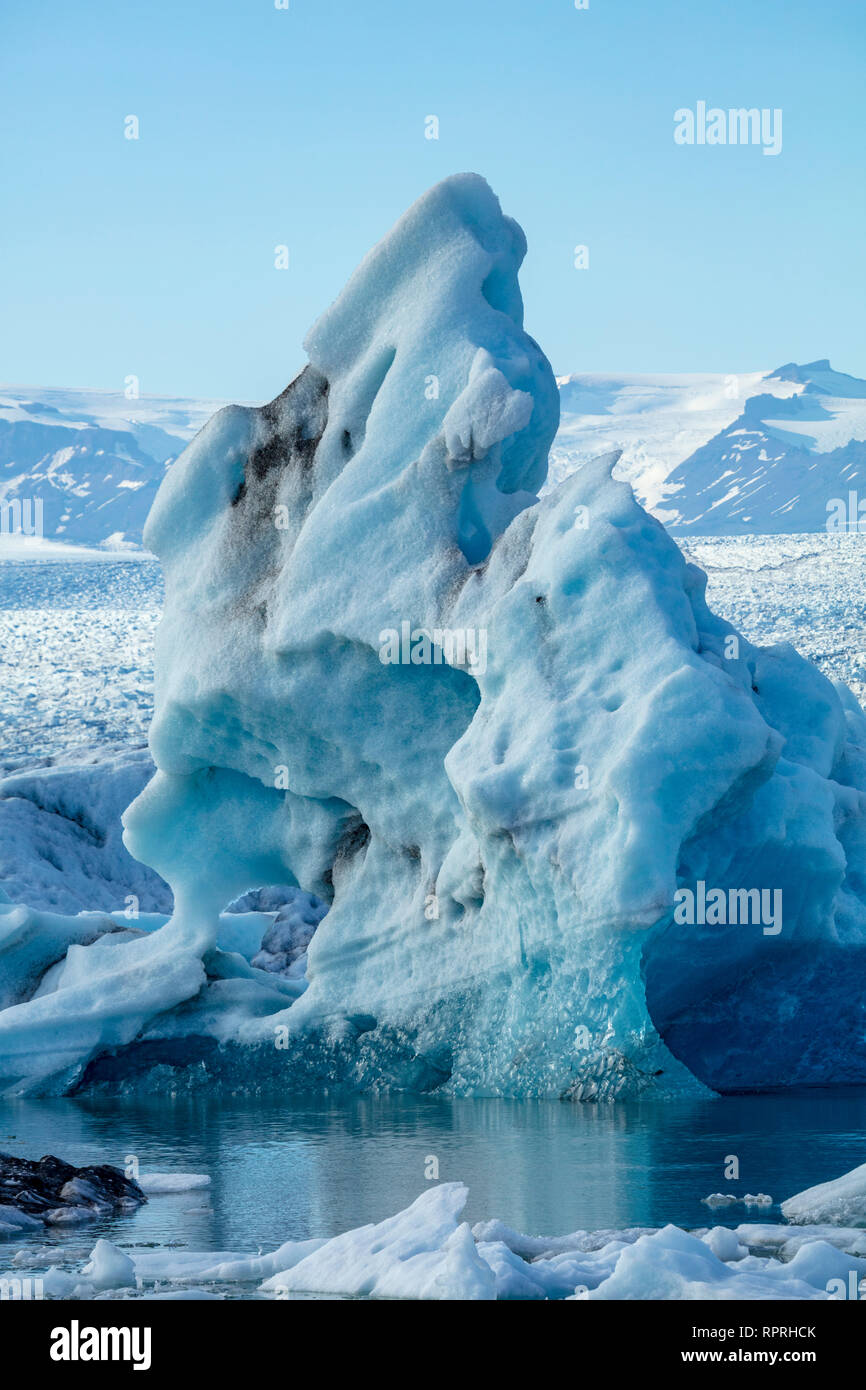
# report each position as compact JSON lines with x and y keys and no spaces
{"x":496,"y":734}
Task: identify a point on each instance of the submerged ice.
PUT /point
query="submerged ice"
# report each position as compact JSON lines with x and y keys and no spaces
{"x":499,"y":841}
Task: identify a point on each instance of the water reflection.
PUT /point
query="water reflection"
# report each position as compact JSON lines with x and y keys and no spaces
{"x":314,"y":1167}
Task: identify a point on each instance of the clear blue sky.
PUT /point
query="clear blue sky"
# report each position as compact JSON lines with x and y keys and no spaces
{"x":306,"y":127}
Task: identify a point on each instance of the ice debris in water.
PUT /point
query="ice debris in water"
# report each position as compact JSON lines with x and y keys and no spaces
{"x":429,"y":1252}
{"x":155,"y":1184}
{"x":108,"y":1267}
{"x":495,"y":735}
{"x":727,"y":1199}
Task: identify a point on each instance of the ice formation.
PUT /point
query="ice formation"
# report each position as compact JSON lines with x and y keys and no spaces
{"x":841,"y":1201}
{"x":429,"y":1252}
{"x":496,"y":735}
{"x":156,"y":1184}
{"x":60,"y":836}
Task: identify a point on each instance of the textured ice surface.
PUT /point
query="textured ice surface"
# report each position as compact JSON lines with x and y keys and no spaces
{"x":427,"y":1252}
{"x":154,"y":1184}
{"x":841,"y":1202}
{"x":75,"y":987}
{"x":61,"y":841}
{"x":500,"y":839}
{"x":423,"y":1252}
{"x":616,"y":744}
{"x":808,"y":589}
{"x":108,"y":1267}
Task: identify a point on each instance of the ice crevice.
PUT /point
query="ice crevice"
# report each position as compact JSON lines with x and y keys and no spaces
{"x":500,"y":840}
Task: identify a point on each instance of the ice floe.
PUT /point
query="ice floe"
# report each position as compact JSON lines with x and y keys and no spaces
{"x":428,"y":1251}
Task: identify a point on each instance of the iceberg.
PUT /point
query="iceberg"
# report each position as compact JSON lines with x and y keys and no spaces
{"x":501,"y":738}
{"x":423,"y":1252}
{"x":157,"y":1184}
{"x":109,"y":1267}
{"x":841,"y":1202}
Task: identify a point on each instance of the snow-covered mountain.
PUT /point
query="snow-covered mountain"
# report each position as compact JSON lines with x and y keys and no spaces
{"x":756,"y":452}
{"x":782,"y":463}
{"x":762,"y":452}
{"x":94,"y":459}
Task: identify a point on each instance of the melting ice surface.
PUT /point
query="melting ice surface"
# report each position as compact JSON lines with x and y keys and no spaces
{"x":499,"y":843}
{"x":559,"y":1198}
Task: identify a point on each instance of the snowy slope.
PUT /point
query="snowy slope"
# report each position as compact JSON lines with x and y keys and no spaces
{"x":759,"y":452}
{"x":93,"y":458}
{"x":657,"y":422}
{"x":778,"y":467}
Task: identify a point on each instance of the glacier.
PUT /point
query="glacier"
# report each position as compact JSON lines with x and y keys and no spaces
{"x":495,"y":734}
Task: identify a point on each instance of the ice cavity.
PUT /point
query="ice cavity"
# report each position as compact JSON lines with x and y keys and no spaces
{"x":494,"y":734}
{"x":500,"y":841}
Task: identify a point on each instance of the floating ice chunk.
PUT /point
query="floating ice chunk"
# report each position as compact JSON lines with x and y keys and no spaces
{"x":156,"y":1183}
{"x":817,"y":1262}
{"x":57,"y":1283}
{"x":502,"y":843}
{"x":70,"y":1216}
{"x":841,"y":1201}
{"x":674,"y":1265}
{"x":724,"y":1244}
{"x":152,"y":1266}
{"x":109,"y":1268}
{"x":13,"y":1221}
{"x":787,"y":1240}
{"x":423,"y":1252}
{"x":728,"y":1199}
{"x":262,"y":1266}
{"x":555,"y":1277}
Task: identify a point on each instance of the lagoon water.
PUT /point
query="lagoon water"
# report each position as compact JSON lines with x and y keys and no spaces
{"x":319,"y":1166}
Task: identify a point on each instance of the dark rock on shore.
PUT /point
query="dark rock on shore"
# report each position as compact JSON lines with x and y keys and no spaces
{"x":57,"y":1193}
